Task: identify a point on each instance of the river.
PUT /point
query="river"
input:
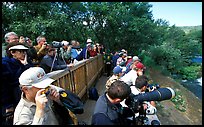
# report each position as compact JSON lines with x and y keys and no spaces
{"x":195,"y":86}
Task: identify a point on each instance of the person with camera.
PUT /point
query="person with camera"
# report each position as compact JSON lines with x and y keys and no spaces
{"x":34,"y":107}
{"x":13,"y":64}
{"x":41,"y":48}
{"x":42,"y":103}
{"x":147,"y":108}
{"x":74,"y":50}
{"x":107,"y":108}
{"x":52,"y":62}
{"x":64,"y":53}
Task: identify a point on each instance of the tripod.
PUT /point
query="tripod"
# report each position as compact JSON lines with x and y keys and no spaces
{"x":55,"y":58}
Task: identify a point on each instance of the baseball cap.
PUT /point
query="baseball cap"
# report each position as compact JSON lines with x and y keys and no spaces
{"x":35,"y":76}
{"x":139,"y":65}
{"x":20,"y":47}
{"x":135,"y":58}
{"x":117,"y":70}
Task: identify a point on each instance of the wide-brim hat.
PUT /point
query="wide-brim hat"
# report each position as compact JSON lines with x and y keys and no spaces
{"x":18,"y":47}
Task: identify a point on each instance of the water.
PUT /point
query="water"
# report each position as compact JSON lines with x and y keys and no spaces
{"x":200,"y":81}
{"x":195,"y":86}
{"x":197,"y":59}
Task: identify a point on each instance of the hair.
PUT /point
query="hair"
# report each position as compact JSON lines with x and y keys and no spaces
{"x":141,"y":81}
{"x":13,"y":50}
{"x":73,"y":42}
{"x":119,"y":89}
{"x":6,"y":37}
{"x":38,"y":39}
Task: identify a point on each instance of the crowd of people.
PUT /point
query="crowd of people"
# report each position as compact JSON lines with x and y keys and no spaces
{"x":24,"y":73}
{"x":128,"y":78}
{"x":19,"y":55}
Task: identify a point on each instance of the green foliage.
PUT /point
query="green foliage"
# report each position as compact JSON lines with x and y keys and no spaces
{"x":190,"y":72}
{"x":179,"y":101}
{"x":167,"y":56}
{"x":116,"y":25}
{"x":146,"y":59}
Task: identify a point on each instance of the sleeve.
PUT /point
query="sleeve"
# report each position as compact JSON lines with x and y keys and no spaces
{"x":101,"y":119}
{"x":47,"y":61}
{"x":6,"y":100}
{"x":26,"y":120}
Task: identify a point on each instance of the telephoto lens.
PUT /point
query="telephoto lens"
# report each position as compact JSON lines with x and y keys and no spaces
{"x":159,"y":94}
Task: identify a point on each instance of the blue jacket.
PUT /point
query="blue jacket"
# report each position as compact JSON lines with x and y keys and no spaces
{"x":114,"y":59}
{"x":84,"y":54}
{"x":10,"y":90}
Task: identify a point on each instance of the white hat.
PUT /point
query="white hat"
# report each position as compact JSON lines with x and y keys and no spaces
{"x":89,"y":40}
{"x":65,"y":43}
{"x":18,"y":47}
{"x":123,"y":50}
{"x":135,"y":58}
{"x":89,"y":44}
{"x":35,"y":76}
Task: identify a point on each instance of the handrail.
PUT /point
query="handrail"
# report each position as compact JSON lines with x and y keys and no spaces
{"x":79,"y":78}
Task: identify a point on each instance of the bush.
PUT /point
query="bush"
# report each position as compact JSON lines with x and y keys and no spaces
{"x":190,"y":72}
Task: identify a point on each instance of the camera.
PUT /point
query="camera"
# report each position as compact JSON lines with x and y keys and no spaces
{"x":152,"y":87}
{"x":57,"y":44}
{"x":135,"y":104}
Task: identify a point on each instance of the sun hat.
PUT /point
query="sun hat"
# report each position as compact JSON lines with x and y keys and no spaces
{"x":117,"y":70}
{"x":89,"y":40}
{"x":20,"y":47}
{"x":35,"y":76}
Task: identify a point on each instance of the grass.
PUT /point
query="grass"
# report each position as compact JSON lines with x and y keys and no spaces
{"x":179,"y":102}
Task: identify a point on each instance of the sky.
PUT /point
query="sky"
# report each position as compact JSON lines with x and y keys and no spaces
{"x":178,"y":13}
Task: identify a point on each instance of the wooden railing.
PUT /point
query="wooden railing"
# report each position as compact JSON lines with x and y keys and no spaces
{"x":80,"y":77}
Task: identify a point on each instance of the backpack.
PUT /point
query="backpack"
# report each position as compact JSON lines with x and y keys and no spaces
{"x":93,"y":93}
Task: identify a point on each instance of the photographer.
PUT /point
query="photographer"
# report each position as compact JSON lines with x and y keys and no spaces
{"x":64,"y":53}
{"x":37,"y":97}
{"x":141,"y":84}
{"x":51,"y":62}
{"x":107,"y":107}
{"x":41,"y":48}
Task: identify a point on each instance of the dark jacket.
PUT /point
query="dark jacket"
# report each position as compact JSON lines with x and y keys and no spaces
{"x":10,"y":90}
{"x":114,"y":59}
{"x":106,"y":113}
{"x":47,"y":64}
